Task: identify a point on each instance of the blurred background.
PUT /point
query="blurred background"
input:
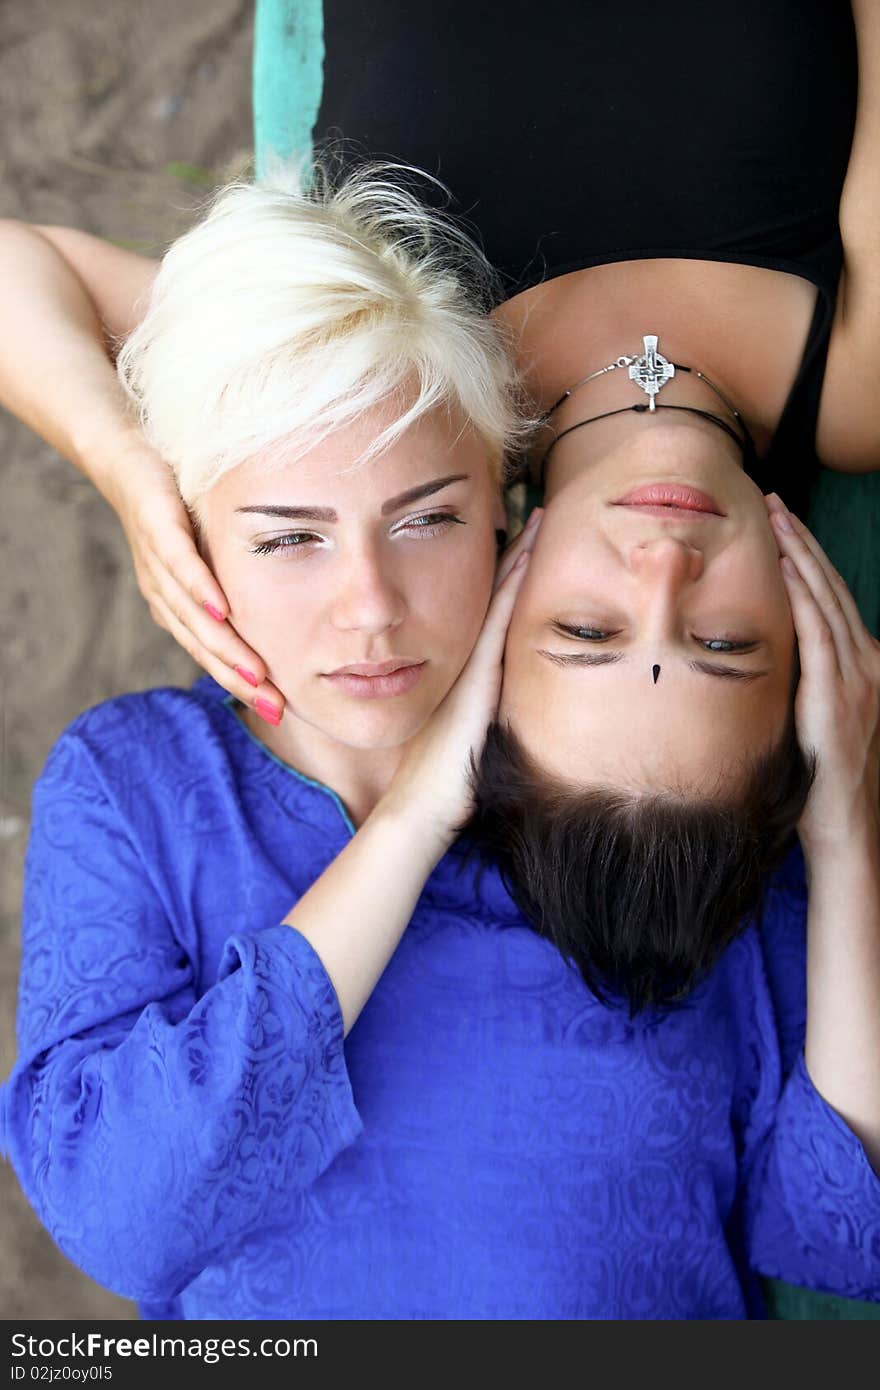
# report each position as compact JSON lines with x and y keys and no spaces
{"x":119,"y":118}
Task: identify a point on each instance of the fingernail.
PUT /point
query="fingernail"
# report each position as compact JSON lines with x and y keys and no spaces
{"x":782,"y":521}
{"x":246,"y":675}
{"x":270,"y":713}
{"x":214,"y":612}
{"x":534,"y":516}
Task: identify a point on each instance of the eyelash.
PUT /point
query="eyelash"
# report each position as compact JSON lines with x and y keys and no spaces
{"x":728,"y":646}
{"x":426,"y":525}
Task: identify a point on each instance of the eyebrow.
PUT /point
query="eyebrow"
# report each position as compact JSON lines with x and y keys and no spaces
{"x":581,"y":658}
{"x":394,"y":504}
{"x":705,"y":668}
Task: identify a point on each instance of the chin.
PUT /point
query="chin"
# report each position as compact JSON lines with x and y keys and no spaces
{"x":387,"y":730}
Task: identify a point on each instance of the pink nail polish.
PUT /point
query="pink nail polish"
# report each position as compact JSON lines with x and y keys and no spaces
{"x":214,"y":612}
{"x":270,"y":713}
{"x":246,"y":675}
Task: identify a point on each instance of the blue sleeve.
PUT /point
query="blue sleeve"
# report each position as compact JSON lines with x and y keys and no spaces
{"x":152,"y":1127}
{"x":812,"y":1199}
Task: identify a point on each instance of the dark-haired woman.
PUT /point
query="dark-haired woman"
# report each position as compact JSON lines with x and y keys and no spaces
{"x":691,"y":275}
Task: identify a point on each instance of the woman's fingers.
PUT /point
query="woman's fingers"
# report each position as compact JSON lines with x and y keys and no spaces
{"x":266,"y":698}
{"x":799,"y":543}
{"x":524,"y":542}
{"x":489,"y":649}
{"x":816,"y":641}
{"x":833,"y":603}
{"x":183,"y":595}
{"x":490,"y":644}
{"x":475,"y":694}
{"x":175,"y":581}
{"x":177,"y":554}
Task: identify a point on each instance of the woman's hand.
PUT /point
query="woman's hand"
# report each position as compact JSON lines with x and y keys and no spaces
{"x":837,"y":707}
{"x":356,"y":912}
{"x":434,"y":780}
{"x":182,"y":593}
{"x":837,"y":711}
{"x":65,"y":296}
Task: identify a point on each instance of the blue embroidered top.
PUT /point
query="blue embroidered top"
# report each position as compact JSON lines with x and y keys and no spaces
{"x":488,"y":1142}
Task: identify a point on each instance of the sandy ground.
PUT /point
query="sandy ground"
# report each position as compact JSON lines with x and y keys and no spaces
{"x":115,"y":116}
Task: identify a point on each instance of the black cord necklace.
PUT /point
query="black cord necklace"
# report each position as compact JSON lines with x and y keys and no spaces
{"x":651,"y":372}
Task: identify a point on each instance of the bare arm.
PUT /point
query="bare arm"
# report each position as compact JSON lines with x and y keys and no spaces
{"x":848,"y":436}
{"x":837,"y":711}
{"x":843,"y":980}
{"x":66,"y":299}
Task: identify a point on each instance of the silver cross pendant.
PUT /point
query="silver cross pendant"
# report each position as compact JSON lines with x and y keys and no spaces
{"x":651,"y":371}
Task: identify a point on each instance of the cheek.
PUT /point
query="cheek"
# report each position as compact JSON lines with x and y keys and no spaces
{"x":449,"y":596}
{"x":272,"y":609}
{"x":471,"y":573}
{"x":757,"y":579}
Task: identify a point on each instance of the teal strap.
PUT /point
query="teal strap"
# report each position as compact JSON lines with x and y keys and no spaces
{"x":288,"y":78}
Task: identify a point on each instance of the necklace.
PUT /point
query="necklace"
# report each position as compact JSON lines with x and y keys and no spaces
{"x":650,"y":372}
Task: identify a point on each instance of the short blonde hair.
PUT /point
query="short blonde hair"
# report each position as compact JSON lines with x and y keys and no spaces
{"x":288,"y":311}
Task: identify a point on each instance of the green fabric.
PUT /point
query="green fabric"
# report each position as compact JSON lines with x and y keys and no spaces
{"x":288,"y":78}
{"x":844,"y":516}
{"x":790,"y":1304}
{"x":844,"y":512}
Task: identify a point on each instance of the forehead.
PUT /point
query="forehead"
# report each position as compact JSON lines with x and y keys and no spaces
{"x":336,"y":471}
{"x":615,"y":725}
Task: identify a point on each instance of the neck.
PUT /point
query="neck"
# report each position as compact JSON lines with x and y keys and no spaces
{"x":358,"y":776}
{"x":745,"y":326}
{"x":611,"y":398}
{"x":681,"y":439}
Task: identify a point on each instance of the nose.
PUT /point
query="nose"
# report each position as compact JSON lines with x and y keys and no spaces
{"x":367,"y":599}
{"x":666,"y":562}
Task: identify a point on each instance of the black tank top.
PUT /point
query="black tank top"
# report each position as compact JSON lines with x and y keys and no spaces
{"x":576,"y":134}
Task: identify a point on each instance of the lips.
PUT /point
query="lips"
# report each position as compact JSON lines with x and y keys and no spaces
{"x":374,"y":668}
{"x":670,"y":496}
{"x":377,"y":680}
